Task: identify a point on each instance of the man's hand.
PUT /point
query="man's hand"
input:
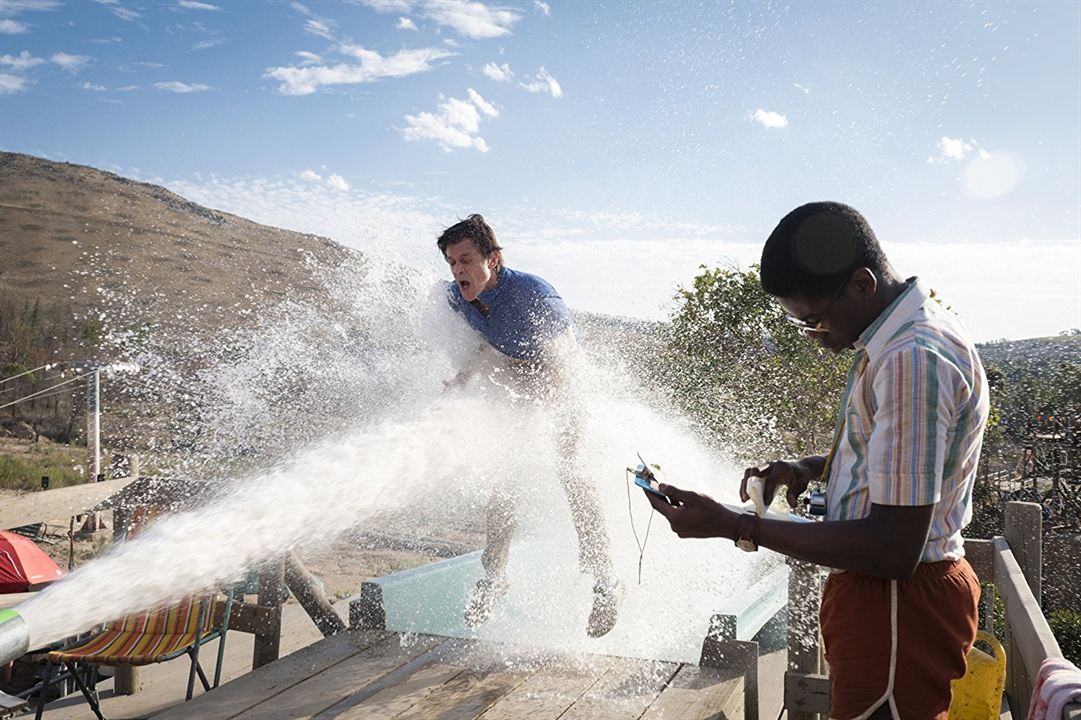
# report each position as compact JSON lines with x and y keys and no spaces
{"x":795,"y":475}
{"x":692,"y":515}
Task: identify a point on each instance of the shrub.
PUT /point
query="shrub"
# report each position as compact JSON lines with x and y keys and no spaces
{"x":1066,"y":625}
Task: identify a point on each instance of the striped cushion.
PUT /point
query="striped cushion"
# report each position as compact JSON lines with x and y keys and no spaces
{"x":143,"y":638}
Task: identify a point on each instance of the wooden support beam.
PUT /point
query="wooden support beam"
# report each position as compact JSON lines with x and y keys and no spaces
{"x":806,"y":694}
{"x":1024,"y":537}
{"x":804,"y":654}
{"x":271,"y":585}
{"x":1029,"y":634}
{"x":308,"y":591}
{"x":738,"y":655}
{"x":981,"y":556}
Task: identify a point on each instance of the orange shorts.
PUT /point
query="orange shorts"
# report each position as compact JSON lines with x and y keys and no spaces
{"x":898,"y":642}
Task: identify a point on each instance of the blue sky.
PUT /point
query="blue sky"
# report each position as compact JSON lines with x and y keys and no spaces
{"x":614,"y":147}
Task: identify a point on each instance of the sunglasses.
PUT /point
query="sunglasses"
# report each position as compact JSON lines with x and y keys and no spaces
{"x":816,"y":328}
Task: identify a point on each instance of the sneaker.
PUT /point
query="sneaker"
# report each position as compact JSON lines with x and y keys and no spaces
{"x":607,"y":597}
{"x":478,"y":608}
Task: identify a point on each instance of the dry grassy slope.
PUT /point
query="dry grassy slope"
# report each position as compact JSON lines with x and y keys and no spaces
{"x":178,"y":255}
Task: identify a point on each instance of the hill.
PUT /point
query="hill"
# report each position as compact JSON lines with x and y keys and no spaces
{"x":99,"y":267}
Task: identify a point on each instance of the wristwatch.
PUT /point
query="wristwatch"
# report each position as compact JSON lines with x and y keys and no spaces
{"x":747,"y":532}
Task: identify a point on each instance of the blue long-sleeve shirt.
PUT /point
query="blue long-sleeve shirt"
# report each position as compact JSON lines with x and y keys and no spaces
{"x":525,"y":313}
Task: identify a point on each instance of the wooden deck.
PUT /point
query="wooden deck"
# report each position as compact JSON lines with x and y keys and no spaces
{"x":369,"y":674}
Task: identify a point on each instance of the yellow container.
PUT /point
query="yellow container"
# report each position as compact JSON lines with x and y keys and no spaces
{"x":978,"y":695}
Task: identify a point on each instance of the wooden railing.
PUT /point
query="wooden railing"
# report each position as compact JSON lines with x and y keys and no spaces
{"x":1010,"y":566}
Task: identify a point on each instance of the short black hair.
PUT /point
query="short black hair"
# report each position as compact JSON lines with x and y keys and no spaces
{"x":472,"y":228}
{"x":815,"y":248}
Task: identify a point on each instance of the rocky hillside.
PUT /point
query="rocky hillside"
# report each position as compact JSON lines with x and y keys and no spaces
{"x":91,"y":260}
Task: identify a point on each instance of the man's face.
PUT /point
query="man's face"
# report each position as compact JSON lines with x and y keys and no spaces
{"x":473,"y":272}
{"x":836,"y":322}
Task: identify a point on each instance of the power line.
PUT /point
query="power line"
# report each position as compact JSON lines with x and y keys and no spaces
{"x":46,"y":366}
{"x":61,"y":391}
{"x":42,"y":392}
{"x":13,"y":388}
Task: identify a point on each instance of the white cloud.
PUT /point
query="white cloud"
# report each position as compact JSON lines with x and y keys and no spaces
{"x":455,"y":125}
{"x":483,"y":105}
{"x":10,"y":84}
{"x":338,"y":183}
{"x":320,"y":28}
{"x":72,"y":63}
{"x":335,"y":181}
{"x":92,"y":87}
{"x":127,"y":88}
{"x":471,"y":19}
{"x":388,"y":6}
{"x":372,"y":66}
{"x":120,"y":11}
{"x":499,"y":73}
{"x":196,"y":5}
{"x":542,"y":7}
{"x":955,"y":148}
{"x":308,"y":58}
{"x":13,"y":27}
{"x":770,"y":119}
{"x":14,"y":7}
{"x":181,"y":87}
{"x":405,"y":23}
{"x":544,"y":82}
{"x":208,"y":43}
{"x":300,"y":8}
{"x":22,"y":61}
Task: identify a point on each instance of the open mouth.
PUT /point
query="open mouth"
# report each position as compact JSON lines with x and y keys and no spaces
{"x":463,"y":284}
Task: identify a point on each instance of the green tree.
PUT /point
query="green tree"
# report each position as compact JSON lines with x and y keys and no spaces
{"x":759,"y":386}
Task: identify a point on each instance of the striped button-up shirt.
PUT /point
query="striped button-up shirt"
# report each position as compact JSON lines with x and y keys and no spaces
{"x":914,"y":411}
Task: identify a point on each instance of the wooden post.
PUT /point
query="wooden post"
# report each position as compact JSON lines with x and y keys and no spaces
{"x":1024,"y":534}
{"x":126,"y":680}
{"x":267,"y":643}
{"x":311,"y":596}
{"x":804,"y":653}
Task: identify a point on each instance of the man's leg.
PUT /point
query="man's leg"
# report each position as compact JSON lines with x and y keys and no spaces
{"x":594,"y":547}
{"x":501,"y":521}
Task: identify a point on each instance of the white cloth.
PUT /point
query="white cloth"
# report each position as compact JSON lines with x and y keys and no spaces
{"x":1058,"y":684}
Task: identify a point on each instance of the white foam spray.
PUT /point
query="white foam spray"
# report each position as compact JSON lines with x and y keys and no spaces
{"x":407,"y":441}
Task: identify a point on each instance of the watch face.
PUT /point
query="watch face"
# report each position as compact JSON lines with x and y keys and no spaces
{"x":746,"y":545}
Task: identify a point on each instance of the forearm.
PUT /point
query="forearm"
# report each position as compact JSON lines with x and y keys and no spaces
{"x":869,"y":545}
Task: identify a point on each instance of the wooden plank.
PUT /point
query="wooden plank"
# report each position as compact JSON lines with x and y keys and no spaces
{"x":981,"y":556}
{"x":56,"y":505}
{"x":1024,"y":535}
{"x":1029,"y":630}
{"x":245,"y":692}
{"x":808,"y":694}
{"x":311,"y":596}
{"x":466,"y":696}
{"x":327,"y":688}
{"x":271,"y":585}
{"x":550,"y":690}
{"x":396,"y":699}
{"x":624,"y":691}
{"x":698,"y":693}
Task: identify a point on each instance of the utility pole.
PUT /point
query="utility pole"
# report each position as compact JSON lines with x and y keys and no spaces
{"x":93,"y":423}
{"x":93,"y":417}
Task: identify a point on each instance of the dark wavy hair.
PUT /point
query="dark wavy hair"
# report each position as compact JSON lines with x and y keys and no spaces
{"x":816,"y":247}
{"x":472,"y":228}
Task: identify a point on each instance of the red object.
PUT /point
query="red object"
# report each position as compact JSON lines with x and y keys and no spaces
{"x":23,"y":564}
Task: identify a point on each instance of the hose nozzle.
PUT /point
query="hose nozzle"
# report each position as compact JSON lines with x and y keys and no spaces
{"x":14,"y":636}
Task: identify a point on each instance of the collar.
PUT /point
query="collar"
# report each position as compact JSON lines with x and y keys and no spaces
{"x":889,"y":321}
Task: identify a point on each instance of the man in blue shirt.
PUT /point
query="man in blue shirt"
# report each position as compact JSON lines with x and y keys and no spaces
{"x":526,"y":320}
